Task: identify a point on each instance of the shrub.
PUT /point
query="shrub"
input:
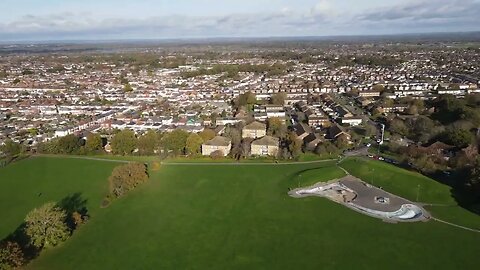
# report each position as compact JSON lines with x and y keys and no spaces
{"x":126,"y":177}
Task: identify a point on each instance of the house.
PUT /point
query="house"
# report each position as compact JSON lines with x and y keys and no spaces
{"x":369,"y":93}
{"x":343,"y":112}
{"x":265,"y":146}
{"x":227,"y":121}
{"x":254,"y":130}
{"x":311,"y":141}
{"x":317,"y":121}
{"x":352,"y":121}
{"x":302,"y":130}
{"x":394,"y":108}
{"x":218,"y":143}
{"x":334,"y":131}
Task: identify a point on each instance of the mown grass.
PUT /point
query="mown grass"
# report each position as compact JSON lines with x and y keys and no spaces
{"x":29,"y":183}
{"x":237,"y":217}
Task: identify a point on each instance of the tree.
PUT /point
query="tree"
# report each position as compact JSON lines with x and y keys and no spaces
{"x":45,"y":226}
{"x":246,"y":99}
{"x":412,"y":109}
{"x":126,"y":177}
{"x":69,"y":144}
{"x":213,"y":117}
{"x":278,"y":98}
{"x":207,"y":134}
{"x":398,"y":126}
{"x":473,"y":99}
{"x":458,"y":137}
{"x":233,"y":134}
{"x":175,"y":141}
{"x":326,"y":147}
{"x":127,"y":88}
{"x":11,"y":255}
{"x":147,"y":143}
{"x":276,"y":127}
{"x":194,"y":144}
{"x":295,"y":146}
{"x":448,"y":108}
{"x":11,"y":148}
{"x":378,"y":87}
{"x":370,"y":130}
{"x":124,"y":142}
{"x":342,"y":142}
{"x":94,"y":143}
{"x":423,"y":129}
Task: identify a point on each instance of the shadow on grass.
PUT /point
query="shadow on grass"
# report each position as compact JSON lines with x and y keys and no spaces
{"x":71,"y":204}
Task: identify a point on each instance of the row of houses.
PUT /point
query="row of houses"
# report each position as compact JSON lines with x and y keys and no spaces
{"x":264,"y":146}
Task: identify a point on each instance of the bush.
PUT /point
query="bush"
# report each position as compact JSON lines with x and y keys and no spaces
{"x":218,"y":154}
{"x":126,"y":177}
{"x":11,"y":255}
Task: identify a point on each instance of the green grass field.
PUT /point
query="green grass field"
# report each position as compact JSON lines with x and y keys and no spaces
{"x":235,"y":217}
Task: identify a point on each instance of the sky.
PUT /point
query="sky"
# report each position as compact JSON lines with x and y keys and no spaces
{"x":148,"y":19}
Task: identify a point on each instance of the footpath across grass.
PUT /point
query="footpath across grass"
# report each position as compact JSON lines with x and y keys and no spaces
{"x":233,"y":217}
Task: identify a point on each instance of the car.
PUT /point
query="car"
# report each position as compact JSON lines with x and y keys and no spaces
{"x":370,"y":156}
{"x":381,"y":158}
{"x":368,"y":144}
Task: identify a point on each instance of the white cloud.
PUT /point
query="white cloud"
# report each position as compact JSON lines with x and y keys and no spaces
{"x":321,"y":19}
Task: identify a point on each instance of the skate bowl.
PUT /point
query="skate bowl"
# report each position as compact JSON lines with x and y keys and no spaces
{"x":366,"y":199}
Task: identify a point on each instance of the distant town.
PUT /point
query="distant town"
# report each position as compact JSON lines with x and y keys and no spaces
{"x":213,"y":147}
{"x":417,"y":101}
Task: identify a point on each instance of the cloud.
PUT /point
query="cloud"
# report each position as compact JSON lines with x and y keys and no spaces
{"x":426,"y":10}
{"x":321,"y":19}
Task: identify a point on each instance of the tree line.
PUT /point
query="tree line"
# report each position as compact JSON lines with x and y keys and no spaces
{"x":454,"y":122}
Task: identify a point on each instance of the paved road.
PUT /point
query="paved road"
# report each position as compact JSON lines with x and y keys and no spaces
{"x":362,"y":151}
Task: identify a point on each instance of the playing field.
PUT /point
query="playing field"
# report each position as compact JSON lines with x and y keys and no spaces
{"x":236,"y":217}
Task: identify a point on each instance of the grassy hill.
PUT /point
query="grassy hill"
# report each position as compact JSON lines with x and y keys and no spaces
{"x":235,"y":217}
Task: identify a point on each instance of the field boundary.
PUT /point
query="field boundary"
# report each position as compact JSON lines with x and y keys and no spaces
{"x":247,"y":163}
{"x":86,"y":157}
{"x":456,"y":225}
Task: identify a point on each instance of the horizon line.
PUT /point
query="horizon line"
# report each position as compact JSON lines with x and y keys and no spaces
{"x":186,"y":39}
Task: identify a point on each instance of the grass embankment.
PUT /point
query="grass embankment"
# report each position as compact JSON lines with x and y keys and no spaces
{"x":233,"y":217}
{"x":30,"y":183}
{"x":413,"y":186}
